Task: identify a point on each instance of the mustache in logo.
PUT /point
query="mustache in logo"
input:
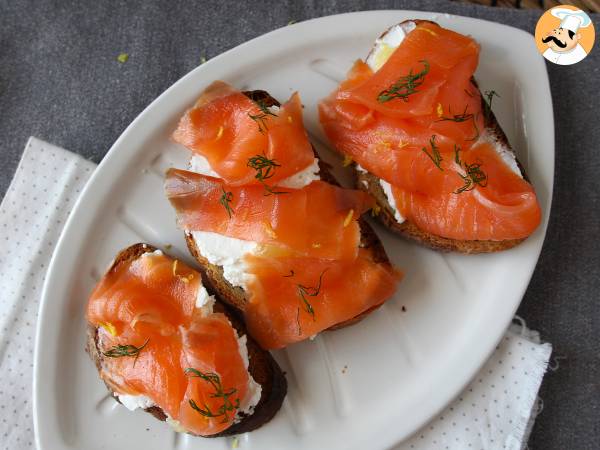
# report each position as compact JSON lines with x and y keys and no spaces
{"x":555,"y":40}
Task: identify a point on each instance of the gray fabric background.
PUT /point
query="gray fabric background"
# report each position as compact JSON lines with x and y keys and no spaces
{"x":60,"y":81}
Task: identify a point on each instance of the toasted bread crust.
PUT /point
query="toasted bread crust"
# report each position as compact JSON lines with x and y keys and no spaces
{"x":407,"y":229}
{"x":262,"y":366}
{"x":235,"y":296}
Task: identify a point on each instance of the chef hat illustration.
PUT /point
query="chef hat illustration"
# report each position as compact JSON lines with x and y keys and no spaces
{"x":571,"y":19}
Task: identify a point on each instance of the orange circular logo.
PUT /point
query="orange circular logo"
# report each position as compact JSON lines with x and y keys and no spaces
{"x":564,"y":35}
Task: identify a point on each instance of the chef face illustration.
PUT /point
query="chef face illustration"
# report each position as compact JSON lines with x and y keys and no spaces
{"x":562,"y":39}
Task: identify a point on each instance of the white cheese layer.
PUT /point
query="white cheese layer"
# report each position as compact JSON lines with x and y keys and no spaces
{"x":229,"y":252}
{"x":199,"y":164}
{"x":254,"y":389}
{"x":302,"y":178}
{"x":504,"y":152}
{"x":205,"y":302}
{"x":386,"y":44}
{"x":202,"y":297}
{"x":133,"y":402}
{"x":387,"y":190}
{"x":155,"y":252}
{"x":382,"y":50}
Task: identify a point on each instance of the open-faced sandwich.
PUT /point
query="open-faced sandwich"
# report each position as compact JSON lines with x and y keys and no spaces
{"x":275,"y":236}
{"x":425,"y":143}
{"x":161,"y":343}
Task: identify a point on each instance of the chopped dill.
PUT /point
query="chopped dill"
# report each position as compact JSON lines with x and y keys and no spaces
{"x":487,"y":103}
{"x":225,"y":200}
{"x":310,"y":291}
{"x":435,"y":155}
{"x":265,"y":169}
{"x":405,"y":86}
{"x":215,"y":381}
{"x":119,"y":351}
{"x":457,"y":117}
{"x":463,"y":117}
{"x":474,"y":175}
{"x":261,"y":118}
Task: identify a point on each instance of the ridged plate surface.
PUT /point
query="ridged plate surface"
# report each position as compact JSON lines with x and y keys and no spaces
{"x":367,"y":386}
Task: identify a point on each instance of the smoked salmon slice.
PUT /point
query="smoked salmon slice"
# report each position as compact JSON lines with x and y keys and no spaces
{"x":309,"y":270}
{"x":229,"y":129}
{"x":157,"y":344}
{"x":428,"y":50}
{"x":319,"y":220}
{"x":506,"y":208}
{"x":418,"y":123}
{"x":294,"y":298}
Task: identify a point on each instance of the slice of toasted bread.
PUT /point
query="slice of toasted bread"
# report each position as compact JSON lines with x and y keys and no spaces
{"x":262,"y":366}
{"x":370,"y":183}
{"x":235,"y":295}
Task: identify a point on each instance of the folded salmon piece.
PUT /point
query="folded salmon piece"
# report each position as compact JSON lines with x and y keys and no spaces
{"x":418,"y":123}
{"x":228,"y":128}
{"x":155,"y":343}
{"x":293,"y":299}
{"x":319,"y":220}
{"x":288,"y":250}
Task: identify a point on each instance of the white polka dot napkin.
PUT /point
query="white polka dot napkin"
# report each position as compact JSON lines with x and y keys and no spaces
{"x":32,"y":214}
{"x":495,"y":411}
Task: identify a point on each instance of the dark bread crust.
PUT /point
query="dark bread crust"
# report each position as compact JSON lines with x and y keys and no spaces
{"x":409,"y":230}
{"x":235,"y":296}
{"x":263,"y":368}
{"x":370,"y":183}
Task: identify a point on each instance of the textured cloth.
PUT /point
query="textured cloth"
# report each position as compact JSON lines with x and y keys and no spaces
{"x":60,"y":80}
{"x":491,"y":414}
{"x":32,"y":215}
{"x":497,"y":409}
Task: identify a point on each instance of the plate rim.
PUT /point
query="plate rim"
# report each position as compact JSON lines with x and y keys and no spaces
{"x":63,"y":252}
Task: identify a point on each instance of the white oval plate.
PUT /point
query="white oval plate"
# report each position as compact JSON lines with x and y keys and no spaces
{"x":367,"y":386}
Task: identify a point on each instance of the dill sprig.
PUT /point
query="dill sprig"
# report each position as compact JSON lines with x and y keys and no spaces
{"x":215,"y":381}
{"x":261,"y":118}
{"x":476,"y":136}
{"x":457,"y":149}
{"x":298,"y":321}
{"x":487,"y":103}
{"x":435,"y":155}
{"x":225,"y":200}
{"x":119,"y":351}
{"x":310,"y":291}
{"x":273,"y":190}
{"x":265,"y":169}
{"x":463,"y":117}
{"x":405,"y":86}
{"x":474,"y":175}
